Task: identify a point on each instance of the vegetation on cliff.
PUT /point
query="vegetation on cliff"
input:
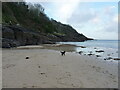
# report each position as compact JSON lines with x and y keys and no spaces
{"x":22,"y":17}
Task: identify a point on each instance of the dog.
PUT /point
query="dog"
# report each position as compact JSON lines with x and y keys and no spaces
{"x":62,"y":53}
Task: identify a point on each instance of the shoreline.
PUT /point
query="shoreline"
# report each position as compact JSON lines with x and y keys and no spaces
{"x":46,"y":68}
{"x":108,"y":54}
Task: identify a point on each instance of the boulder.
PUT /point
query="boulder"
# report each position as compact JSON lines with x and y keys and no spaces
{"x":100,"y":51}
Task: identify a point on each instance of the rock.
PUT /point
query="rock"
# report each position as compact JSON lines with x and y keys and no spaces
{"x":82,"y":46}
{"x":90,"y":54}
{"x":15,"y":35}
{"x":5,"y":44}
{"x":42,"y":73}
{"x":38,"y":66}
{"x":9,"y":43}
{"x":116,"y":59}
{"x":27,"y":57}
{"x":108,"y":58}
{"x":105,"y":59}
{"x":48,"y":42}
{"x":98,"y":56}
{"x":99,"y":51}
{"x":80,"y":52}
{"x":7,"y":33}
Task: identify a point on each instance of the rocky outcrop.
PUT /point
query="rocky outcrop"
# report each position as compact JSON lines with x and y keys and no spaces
{"x":25,"y":26}
{"x":13,"y":36}
{"x":69,"y":33}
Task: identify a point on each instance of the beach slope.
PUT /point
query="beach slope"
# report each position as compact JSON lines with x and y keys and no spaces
{"x":48,"y":69}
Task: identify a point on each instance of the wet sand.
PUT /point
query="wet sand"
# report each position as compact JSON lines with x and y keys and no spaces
{"x":48,"y":69}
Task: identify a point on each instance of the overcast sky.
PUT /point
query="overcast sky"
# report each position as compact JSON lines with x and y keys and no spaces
{"x":98,"y":20}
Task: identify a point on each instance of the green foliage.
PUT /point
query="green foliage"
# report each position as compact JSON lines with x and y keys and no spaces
{"x":60,"y":34}
{"x":30,"y":16}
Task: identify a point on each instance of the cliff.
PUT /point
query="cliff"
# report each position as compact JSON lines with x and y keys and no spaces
{"x":28,"y":25}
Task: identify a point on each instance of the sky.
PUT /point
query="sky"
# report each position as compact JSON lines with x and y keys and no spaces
{"x":98,"y":20}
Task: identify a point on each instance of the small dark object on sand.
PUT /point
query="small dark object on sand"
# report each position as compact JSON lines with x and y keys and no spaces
{"x":90,"y":54}
{"x":27,"y":57}
{"x":98,"y":56}
{"x":116,"y":58}
{"x":42,"y":73}
{"x":108,"y":58}
{"x":100,"y":51}
{"x":80,"y":52}
{"x":63,"y":53}
{"x":105,"y":59}
{"x":82,"y":46}
{"x":38,"y":66}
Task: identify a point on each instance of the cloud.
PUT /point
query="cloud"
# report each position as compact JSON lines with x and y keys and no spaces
{"x":97,"y":20}
{"x":115,"y":18}
{"x":60,"y":11}
{"x":112,"y":27}
{"x":65,"y":10}
{"x":82,"y":16}
{"x":110,"y":10}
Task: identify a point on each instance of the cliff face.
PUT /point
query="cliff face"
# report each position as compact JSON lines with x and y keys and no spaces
{"x":33,"y":29}
{"x":16,"y":36}
{"x":69,"y":33}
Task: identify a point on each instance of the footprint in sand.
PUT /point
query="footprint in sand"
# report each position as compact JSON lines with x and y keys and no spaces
{"x":33,"y":86}
{"x":112,"y":76}
{"x":42,"y":73}
{"x":24,"y":85}
{"x":38,"y":66}
{"x":54,"y":65}
{"x":68,"y":81}
{"x":68,"y":74}
{"x":8,"y":66}
{"x":97,"y":68}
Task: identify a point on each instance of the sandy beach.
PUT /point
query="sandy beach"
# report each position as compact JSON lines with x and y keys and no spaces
{"x":48,"y":69}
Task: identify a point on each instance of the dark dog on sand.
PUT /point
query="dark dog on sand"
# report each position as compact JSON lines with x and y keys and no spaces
{"x":62,"y":53}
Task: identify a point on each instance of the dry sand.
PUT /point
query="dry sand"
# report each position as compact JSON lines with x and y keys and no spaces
{"x":48,"y":69}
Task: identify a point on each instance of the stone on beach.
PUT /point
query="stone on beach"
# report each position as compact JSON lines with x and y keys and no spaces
{"x":98,"y":56}
{"x":82,"y":46}
{"x":108,"y":58}
{"x":90,"y":54}
{"x":99,"y":51}
{"x":116,"y":59}
{"x":80,"y":52}
{"x":27,"y":57}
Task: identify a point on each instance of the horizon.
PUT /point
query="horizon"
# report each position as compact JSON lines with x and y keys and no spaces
{"x":97,"y":20}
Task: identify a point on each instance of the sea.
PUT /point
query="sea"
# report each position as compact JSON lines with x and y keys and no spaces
{"x":110,"y":47}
